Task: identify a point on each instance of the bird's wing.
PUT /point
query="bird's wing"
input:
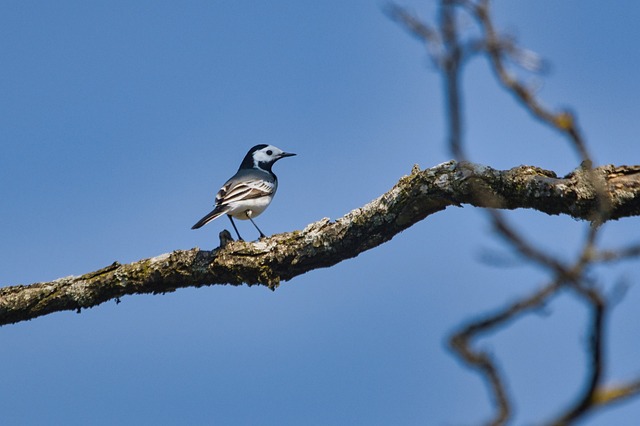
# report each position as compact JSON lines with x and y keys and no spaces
{"x":244,"y":190}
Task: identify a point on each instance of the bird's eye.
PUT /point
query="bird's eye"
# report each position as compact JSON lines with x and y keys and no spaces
{"x":269,"y":152}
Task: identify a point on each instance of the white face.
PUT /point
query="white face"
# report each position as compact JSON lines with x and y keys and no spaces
{"x":268,"y":154}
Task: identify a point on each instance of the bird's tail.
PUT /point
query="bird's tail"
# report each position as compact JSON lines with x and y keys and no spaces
{"x":215,"y":213}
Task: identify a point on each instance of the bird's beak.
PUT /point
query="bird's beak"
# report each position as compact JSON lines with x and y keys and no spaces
{"x":287,"y":154}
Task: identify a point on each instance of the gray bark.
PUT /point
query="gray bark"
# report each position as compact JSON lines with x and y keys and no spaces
{"x":325,"y":243}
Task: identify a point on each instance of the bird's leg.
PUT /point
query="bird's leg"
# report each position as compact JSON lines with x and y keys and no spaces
{"x":254,"y":224}
{"x":234,"y":227}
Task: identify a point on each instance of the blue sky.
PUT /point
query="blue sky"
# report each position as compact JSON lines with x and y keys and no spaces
{"x":120,"y":121}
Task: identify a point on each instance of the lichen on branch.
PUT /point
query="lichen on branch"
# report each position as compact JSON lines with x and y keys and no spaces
{"x":324,"y":243}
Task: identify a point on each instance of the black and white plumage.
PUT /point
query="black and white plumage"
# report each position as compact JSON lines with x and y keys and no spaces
{"x":250,"y":191}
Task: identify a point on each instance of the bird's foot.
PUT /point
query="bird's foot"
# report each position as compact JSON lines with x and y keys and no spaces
{"x":225,"y":238}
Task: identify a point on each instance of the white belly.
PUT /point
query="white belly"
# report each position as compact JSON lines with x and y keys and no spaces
{"x":250,"y":208}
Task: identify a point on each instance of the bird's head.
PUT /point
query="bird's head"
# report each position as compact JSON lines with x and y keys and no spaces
{"x":263,"y":157}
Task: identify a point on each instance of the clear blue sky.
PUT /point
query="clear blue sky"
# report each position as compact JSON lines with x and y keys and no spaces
{"x":119,"y":122}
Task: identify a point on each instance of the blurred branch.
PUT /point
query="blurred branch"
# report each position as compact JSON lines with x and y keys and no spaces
{"x":486,"y":365}
{"x":498,"y":48}
{"x":595,"y":350}
{"x":452,"y":61}
{"x":325,"y":243}
{"x":608,"y":395}
{"x":617,"y":255}
{"x":449,"y":49}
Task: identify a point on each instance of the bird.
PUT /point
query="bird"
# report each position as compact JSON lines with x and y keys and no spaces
{"x":250,"y":191}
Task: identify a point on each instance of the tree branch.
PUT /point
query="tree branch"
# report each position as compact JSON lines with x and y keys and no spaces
{"x":325,"y":243}
{"x":450,"y":45}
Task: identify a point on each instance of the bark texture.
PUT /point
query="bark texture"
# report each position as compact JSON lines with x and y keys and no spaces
{"x":325,"y":243}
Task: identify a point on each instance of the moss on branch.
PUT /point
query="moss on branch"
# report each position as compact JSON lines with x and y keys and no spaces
{"x":325,"y":243}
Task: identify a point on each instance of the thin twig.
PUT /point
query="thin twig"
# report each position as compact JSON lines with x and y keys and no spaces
{"x":452,"y":53}
{"x":483,"y":362}
{"x":585,"y":402}
{"x":563,"y":121}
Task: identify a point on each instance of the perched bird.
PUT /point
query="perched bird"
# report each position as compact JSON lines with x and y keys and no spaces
{"x":250,"y":191}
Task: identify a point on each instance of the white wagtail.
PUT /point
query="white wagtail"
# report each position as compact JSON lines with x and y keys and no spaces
{"x":250,"y":191}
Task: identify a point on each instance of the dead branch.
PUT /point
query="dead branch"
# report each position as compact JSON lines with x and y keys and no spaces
{"x":325,"y":243}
